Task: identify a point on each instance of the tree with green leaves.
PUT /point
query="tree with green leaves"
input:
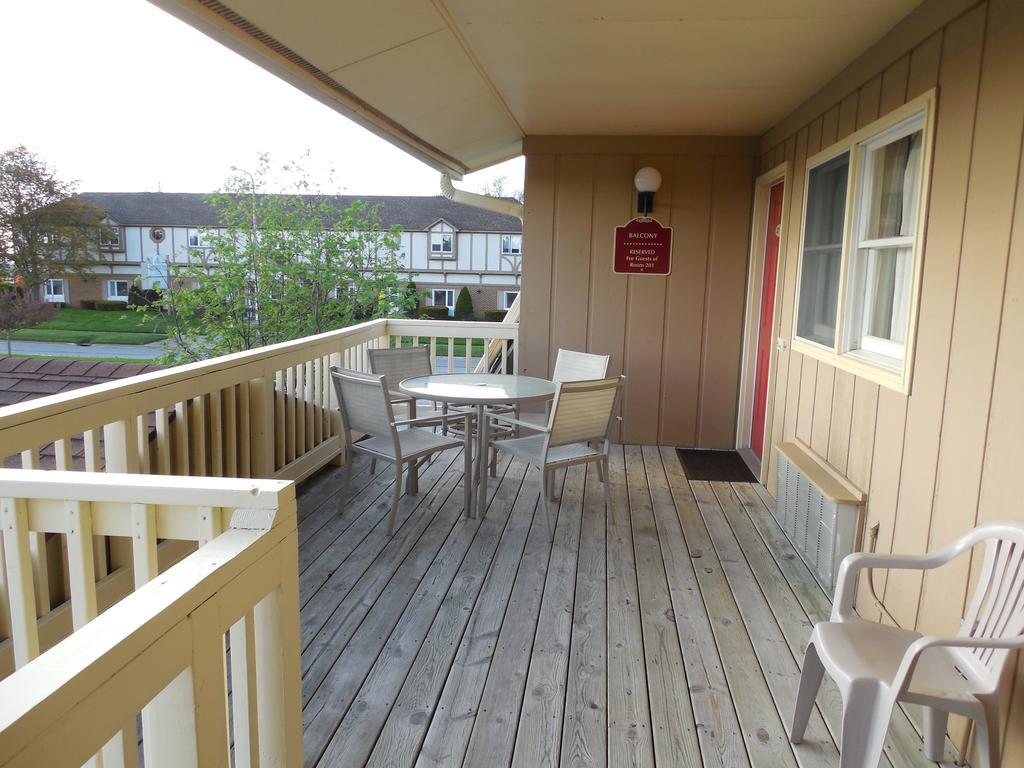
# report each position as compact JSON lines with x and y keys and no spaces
{"x":280,"y":267}
{"x":464,"y":305}
{"x":45,"y":230}
{"x":19,"y":309}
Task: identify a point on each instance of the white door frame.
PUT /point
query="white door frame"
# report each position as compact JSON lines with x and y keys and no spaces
{"x":752,"y":315}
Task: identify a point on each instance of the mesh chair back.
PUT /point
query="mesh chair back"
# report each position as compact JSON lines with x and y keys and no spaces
{"x":364,"y":402}
{"x":583,"y":410}
{"x":579,"y":366}
{"x":401,"y":363}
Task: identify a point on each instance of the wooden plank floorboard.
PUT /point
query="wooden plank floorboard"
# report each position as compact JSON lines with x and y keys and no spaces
{"x":445,"y":590}
{"x":538,"y":742}
{"x":494,"y":730}
{"x":667,"y":631}
{"x":718,"y":730}
{"x":585,"y":718}
{"x":672,"y":723}
{"x":763,"y":733}
{"x":777,"y":662}
{"x":380,"y":578}
{"x":629,"y":716}
{"x":318,"y":531}
{"x":361,"y":520}
{"x":451,"y":727}
{"x":407,"y":720}
{"x":353,"y":579}
{"x":320,"y":505}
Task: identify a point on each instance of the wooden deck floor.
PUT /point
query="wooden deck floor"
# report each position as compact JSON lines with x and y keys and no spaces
{"x":667,"y":633}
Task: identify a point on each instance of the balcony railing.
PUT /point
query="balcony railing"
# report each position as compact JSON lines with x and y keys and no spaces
{"x":76,"y":543}
{"x":160,"y":652}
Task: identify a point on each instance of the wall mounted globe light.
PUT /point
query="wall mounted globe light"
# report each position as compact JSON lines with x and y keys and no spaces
{"x":647,"y":182}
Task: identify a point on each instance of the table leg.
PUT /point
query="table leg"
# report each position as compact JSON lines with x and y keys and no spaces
{"x":413,"y":481}
{"x":482,"y":428}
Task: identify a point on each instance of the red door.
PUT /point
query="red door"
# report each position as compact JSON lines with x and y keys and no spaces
{"x":765,"y":332}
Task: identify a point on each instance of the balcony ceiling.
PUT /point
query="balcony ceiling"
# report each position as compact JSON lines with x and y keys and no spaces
{"x":459,"y":82}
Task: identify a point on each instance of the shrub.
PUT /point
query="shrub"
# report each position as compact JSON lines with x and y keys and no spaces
{"x":110,"y":305}
{"x":87,"y":303}
{"x":495,"y":315}
{"x":434,"y":313}
{"x":411,"y":300}
{"x":464,"y":305}
{"x":142,"y":297}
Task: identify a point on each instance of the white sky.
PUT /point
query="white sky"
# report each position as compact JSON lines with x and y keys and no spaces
{"x":122,"y":97}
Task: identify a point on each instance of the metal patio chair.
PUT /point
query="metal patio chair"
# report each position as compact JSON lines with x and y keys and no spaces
{"x":877,"y":665}
{"x":365,"y":404}
{"x":569,"y":366}
{"x":582,"y":414}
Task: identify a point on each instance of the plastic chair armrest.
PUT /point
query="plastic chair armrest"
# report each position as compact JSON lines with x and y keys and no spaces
{"x":922,"y":644}
{"x":852,"y":565}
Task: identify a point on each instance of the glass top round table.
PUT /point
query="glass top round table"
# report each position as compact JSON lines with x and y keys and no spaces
{"x":479,"y":388}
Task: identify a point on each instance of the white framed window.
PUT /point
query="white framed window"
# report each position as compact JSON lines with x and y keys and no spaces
{"x":822,"y":252}
{"x":881,"y":259}
{"x":860,"y":253}
{"x":110,"y":236}
{"x":505,"y":299}
{"x":444,"y":297}
{"x":53,"y":289}
{"x":511,"y":244}
{"x":117,"y":289}
{"x":442,"y":240}
{"x":197,"y":239}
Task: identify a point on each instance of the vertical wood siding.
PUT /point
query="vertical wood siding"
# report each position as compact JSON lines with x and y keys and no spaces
{"x":949,"y":455}
{"x":676,"y":338}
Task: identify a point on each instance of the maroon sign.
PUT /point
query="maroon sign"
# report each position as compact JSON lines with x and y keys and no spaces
{"x":643,"y":247}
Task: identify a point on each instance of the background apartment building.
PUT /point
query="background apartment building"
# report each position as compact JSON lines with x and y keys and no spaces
{"x":444,"y":246}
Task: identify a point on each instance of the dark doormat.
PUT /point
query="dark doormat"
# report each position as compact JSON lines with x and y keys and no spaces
{"x":714,"y":465}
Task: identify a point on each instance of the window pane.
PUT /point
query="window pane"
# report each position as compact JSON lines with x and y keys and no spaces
{"x":881,"y":294}
{"x":822,"y":256}
{"x":819,"y":296}
{"x":891,"y":195}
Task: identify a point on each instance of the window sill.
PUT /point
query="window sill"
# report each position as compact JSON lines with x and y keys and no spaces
{"x":897,"y":379}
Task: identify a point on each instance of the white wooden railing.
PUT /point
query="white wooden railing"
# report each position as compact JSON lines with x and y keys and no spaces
{"x":75,"y":543}
{"x":154,"y":665}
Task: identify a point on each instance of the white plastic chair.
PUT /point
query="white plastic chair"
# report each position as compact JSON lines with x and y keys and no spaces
{"x":876,"y":665}
{"x":582,"y":414}
{"x":365,"y":404}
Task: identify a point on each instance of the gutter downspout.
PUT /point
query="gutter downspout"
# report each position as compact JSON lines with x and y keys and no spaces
{"x":496,"y":204}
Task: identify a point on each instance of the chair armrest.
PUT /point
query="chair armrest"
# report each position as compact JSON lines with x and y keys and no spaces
{"x":913,"y":653}
{"x":509,"y":420}
{"x":399,"y":397}
{"x":852,"y":565}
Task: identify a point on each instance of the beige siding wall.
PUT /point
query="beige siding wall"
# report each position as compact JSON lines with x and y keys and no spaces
{"x":949,"y":455}
{"x":676,"y":338}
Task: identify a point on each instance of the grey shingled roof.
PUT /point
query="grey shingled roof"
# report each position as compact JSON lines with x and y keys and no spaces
{"x":148,"y":209}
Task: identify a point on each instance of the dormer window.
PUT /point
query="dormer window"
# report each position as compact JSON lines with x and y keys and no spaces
{"x":511,"y":245}
{"x":442,"y":240}
{"x":197,"y":239}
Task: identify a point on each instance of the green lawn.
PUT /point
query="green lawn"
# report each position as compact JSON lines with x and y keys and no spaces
{"x":459,"y":348}
{"x":77,"y":326}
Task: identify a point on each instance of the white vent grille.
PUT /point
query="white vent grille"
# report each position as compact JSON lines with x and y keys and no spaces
{"x":821,"y":517}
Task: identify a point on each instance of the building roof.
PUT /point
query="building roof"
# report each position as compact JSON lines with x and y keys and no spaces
{"x":191,"y":209}
{"x":23,"y":378}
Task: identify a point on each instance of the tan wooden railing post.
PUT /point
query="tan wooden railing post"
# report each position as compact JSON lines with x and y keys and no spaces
{"x":278,"y":694}
{"x":261,"y":426}
{"x":120,"y":450}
